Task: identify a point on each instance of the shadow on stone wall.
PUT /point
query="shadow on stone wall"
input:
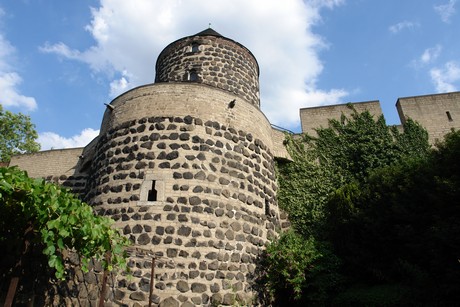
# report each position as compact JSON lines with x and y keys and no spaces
{"x":39,"y":287}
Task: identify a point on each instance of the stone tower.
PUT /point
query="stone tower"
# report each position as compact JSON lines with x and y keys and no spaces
{"x":185,"y":167}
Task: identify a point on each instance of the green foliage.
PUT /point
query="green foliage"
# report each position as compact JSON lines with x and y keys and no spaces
{"x":17,"y":135}
{"x":300,"y":266}
{"x":403,"y":231}
{"x":58,"y":220}
{"x":348,"y":150}
{"x":355,"y":146}
{"x":318,"y":191}
{"x":304,"y":186}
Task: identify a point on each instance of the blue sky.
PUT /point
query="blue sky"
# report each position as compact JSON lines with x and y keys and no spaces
{"x":60,"y":61}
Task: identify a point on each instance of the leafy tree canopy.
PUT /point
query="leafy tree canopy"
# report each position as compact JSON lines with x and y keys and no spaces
{"x":344,"y":154}
{"x":55,"y":218}
{"x":399,"y":232}
{"x":17,"y":135}
{"x":347,"y":150}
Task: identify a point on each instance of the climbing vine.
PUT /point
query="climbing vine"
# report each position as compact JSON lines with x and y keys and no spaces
{"x":303,"y":265}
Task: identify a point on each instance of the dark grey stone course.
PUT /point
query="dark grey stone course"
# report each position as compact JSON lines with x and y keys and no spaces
{"x":182,"y":286}
{"x":194,"y":200}
{"x":198,"y":287}
{"x":137,"y":296}
{"x":169,"y":302}
{"x":143,"y":239}
{"x":184,"y":231}
{"x":137,"y":229}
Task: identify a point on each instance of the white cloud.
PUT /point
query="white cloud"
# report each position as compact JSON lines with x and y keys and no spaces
{"x":447,"y":78}
{"x":403,"y":25}
{"x":121,"y":85}
{"x":129,"y":36}
{"x":10,"y":95}
{"x":51,"y":140}
{"x":430,"y":54}
{"x":446,"y":11}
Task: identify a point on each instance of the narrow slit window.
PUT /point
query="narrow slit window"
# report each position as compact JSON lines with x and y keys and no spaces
{"x":267,"y":208}
{"x":449,"y":117}
{"x":193,"y":76}
{"x":152,"y":196}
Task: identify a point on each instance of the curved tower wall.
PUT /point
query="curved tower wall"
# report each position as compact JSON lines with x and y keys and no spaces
{"x":215,"y":60}
{"x":213,"y":207}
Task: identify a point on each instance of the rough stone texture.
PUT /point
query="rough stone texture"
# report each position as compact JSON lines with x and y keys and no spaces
{"x":315,"y":117}
{"x":438,"y":114}
{"x":217,"y":61}
{"x":186,"y":170}
{"x":181,"y":171}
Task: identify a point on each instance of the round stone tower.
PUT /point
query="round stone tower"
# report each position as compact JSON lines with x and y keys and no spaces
{"x":185,"y":168}
{"x":210,"y":58}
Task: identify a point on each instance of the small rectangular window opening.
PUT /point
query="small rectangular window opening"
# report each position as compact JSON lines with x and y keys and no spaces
{"x":195,"y":47}
{"x":267,"y":208}
{"x":193,"y":76}
{"x":449,"y":117}
{"x":152,"y":193}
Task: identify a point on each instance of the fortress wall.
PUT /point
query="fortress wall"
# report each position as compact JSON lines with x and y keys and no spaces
{"x":60,"y":166}
{"x":46,"y":163}
{"x":182,"y":99}
{"x":316,"y":117}
{"x":431,"y":112}
{"x":193,"y":181}
{"x":279,"y":149}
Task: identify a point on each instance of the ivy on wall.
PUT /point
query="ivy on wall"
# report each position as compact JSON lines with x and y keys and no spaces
{"x":307,"y":268}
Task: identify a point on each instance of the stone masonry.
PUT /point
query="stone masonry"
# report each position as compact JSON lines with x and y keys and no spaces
{"x":438,"y":113}
{"x":185,"y":167}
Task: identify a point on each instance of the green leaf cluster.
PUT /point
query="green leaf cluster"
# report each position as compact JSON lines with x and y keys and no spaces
{"x":399,"y":232}
{"x":303,"y":269}
{"x":17,"y":135}
{"x":333,"y":165}
{"x":58,"y":220}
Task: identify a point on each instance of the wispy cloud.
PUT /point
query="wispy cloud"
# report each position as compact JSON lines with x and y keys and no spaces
{"x":446,"y":11}
{"x":129,"y":39}
{"x":430,"y":54}
{"x":51,"y":140}
{"x":398,"y":27}
{"x":447,"y":78}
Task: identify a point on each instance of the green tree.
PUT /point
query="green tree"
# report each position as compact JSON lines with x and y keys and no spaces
{"x":335,"y":162}
{"x":300,"y":271}
{"x":17,"y":135}
{"x":348,"y":150}
{"x":399,"y":232}
{"x":35,"y":211}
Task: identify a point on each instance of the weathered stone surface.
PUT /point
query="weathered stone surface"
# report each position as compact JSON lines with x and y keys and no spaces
{"x":211,"y":255}
{"x":137,"y":296}
{"x":194,"y":200}
{"x":184,"y":231}
{"x":229,"y":299}
{"x":169,"y":302}
{"x":187,"y":304}
{"x":171,"y":252}
{"x":197,"y":300}
{"x":143,"y":239}
{"x":182,"y":286}
{"x":198,"y":287}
